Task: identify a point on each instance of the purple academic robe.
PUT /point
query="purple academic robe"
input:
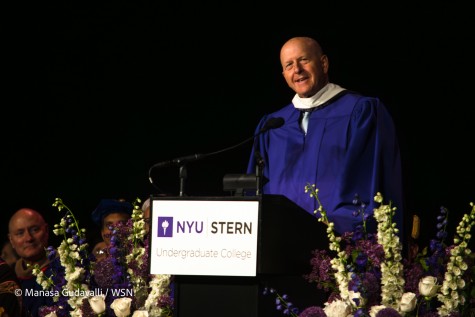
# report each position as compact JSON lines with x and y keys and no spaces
{"x":350,"y":148}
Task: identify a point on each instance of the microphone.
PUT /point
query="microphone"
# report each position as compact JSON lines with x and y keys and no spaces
{"x":272,"y":123}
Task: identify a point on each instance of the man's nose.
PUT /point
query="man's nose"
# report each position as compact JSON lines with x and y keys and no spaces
{"x":28,"y":235}
{"x":297,"y":68}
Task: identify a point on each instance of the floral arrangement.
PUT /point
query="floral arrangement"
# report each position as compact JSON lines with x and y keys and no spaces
{"x":119,"y":285}
{"x":365,"y":274}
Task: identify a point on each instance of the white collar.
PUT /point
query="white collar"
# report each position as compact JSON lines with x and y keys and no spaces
{"x":322,"y":96}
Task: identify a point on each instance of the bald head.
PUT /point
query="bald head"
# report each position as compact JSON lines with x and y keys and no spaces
{"x":25,"y":213}
{"x":311,"y":46}
{"x":28,"y":233}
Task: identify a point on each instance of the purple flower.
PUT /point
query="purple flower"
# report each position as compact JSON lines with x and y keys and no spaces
{"x":361,"y":260}
{"x":313,"y":311}
{"x":86,"y":309}
{"x":413,"y":272}
{"x":388,"y":312}
{"x":45,"y":310}
{"x":103,"y":273}
{"x":322,"y":271}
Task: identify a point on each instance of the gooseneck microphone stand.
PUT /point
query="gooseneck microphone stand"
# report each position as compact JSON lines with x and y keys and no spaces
{"x":272,"y":123}
{"x":259,"y":171}
{"x":182,"y":174}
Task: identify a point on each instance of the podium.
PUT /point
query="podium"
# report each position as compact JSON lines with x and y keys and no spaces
{"x":286,"y":236}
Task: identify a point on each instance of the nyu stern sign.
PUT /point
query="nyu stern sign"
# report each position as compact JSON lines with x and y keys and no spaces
{"x":204,"y":237}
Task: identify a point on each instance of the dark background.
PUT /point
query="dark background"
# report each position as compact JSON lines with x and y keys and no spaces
{"x":96,"y":93}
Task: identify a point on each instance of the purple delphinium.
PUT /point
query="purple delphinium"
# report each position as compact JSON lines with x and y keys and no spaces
{"x":369,"y":286}
{"x":117,"y":254}
{"x":282,"y":303}
{"x":436,"y":262}
{"x":288,"y":306}
{"x":365,"y":254}
{"x":110,"y":273}
{"x":313,"y":311}
{"x":116,"y":272}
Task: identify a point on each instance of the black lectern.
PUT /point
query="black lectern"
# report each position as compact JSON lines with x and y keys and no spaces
{"x":287,"y":235}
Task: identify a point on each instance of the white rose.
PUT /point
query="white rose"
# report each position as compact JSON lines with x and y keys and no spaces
{"x":97,"y":303}
{"x":337,"y":308}
{"x":52,"y":314}
{"x":408,"y":302}
{"x":428,"y":286}
{"x":121,"y":306}
{"x":140,"y":313}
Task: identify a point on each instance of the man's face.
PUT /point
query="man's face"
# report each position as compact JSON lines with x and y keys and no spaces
{"x":303,"y":69}
{"x":109,"y":222}
{"x":28,"y":234}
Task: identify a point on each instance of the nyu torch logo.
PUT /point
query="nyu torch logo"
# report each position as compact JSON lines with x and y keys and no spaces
{"x":165,"y":227}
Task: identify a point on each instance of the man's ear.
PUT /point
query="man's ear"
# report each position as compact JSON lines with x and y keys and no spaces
{"x":325,"y":63}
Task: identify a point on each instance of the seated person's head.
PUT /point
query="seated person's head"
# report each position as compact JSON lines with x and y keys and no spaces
{"x":146,"y":214}
{"x":28,"y":234}
{"x":109,"y":213}
{"x":9,"y":254}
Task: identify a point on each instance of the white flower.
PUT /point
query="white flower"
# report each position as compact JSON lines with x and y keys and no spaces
{"x":337,"y":308}
{"x":159,"y":285}
{"x":140,"y":313}
{"x":392,"y":278}
{"x":52,"y":314}
{"x":356,"y":296}
{"x":75,"y":313}
{"x":375,"y":309}
{"x":121,"y":306}
{"x":428,"y":286}
{"x":450,"y":295}
{"x":98,"y":303}
{"x":408,"y":302}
